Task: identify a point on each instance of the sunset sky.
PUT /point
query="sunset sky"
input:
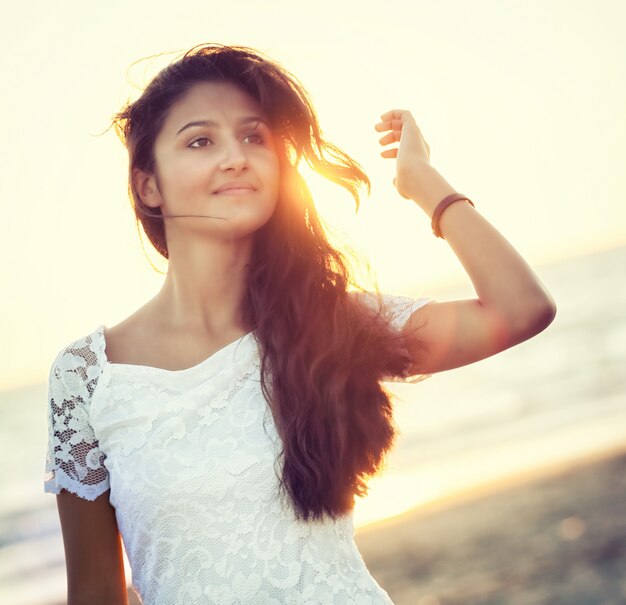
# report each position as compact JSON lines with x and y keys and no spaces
{"x":522,"y":104}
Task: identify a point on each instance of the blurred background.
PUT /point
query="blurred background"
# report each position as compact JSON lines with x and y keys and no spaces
{"x":507,"y":482}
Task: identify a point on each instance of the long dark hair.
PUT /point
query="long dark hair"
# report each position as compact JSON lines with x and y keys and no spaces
{"x":323,"y":354}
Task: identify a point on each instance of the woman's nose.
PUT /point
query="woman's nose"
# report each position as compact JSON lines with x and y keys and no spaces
{"x":234,"y":157}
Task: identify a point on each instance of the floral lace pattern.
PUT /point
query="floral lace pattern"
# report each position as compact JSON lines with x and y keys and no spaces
{"x":191,"y":458}
{"x":74,"y":460}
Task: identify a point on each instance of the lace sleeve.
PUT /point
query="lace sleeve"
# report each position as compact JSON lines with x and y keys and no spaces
{"x":74,"y":461}
{"x":396,"y":309}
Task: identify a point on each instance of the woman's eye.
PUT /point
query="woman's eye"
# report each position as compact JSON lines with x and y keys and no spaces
{"x":259,"y":137}
{"x":193,"y":144}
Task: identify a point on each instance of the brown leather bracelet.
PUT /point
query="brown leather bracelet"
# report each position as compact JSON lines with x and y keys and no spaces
{"x":443,"y":204}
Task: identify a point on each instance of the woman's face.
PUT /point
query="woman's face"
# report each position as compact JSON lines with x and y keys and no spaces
{"x":215,"y":137}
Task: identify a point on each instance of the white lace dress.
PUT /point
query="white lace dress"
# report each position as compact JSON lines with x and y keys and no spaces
{"x":189,"y":456}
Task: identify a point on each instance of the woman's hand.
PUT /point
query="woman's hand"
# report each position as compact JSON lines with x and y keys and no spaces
{"x":412,"y":155}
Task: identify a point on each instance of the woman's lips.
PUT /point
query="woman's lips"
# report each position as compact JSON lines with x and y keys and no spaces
{"x":235,"y":191}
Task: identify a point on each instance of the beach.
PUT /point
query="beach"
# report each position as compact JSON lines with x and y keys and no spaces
{"x":558,"y":537}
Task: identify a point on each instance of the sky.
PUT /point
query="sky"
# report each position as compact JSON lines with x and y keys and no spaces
{"x":521,"y":102}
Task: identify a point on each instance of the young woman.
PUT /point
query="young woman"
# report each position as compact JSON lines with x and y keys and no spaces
{"x":223,"y":430}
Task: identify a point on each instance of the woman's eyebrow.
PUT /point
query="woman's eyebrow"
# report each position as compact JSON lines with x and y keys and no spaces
{"x":245,"y":120}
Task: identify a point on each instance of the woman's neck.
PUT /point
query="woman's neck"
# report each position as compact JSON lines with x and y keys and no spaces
{"x":204,"y":289}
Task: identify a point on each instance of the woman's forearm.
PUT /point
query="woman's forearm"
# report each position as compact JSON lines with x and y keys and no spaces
{"x":502,"y":279}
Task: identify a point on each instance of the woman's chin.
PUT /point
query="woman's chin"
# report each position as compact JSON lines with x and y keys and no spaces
{"x":237,"y":225}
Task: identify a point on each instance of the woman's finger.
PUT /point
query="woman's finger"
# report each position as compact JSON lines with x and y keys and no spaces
{"x":390,"y":153}
{"x":394,"y":114}
{"x":392,"y":137}
{"x":389,"y":125}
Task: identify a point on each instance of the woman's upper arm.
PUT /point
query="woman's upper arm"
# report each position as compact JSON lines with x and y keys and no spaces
{"x":75,"y":471}
{"x":93,"y":550}
{"x":451,"y":334}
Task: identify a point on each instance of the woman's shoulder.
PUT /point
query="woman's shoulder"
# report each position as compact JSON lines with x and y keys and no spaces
{"x":84,"y":352}
{"x":138,"y":339}
{"x":108,"y":343}
{"x":94,"y":349}
{"x":87,"y":348}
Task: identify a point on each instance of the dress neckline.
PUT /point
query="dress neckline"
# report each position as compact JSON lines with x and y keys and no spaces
{"x":164,"y":371}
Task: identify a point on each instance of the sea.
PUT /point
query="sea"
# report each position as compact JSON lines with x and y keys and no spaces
{"x":555,"y":398}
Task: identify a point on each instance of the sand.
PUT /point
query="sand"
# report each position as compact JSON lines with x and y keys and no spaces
{"x":558,"y":538}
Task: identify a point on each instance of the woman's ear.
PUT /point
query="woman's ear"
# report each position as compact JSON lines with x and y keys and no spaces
{"x":145,"y":185}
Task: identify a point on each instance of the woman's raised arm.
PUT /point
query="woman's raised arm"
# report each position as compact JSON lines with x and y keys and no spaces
{"x":512,"y":304}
